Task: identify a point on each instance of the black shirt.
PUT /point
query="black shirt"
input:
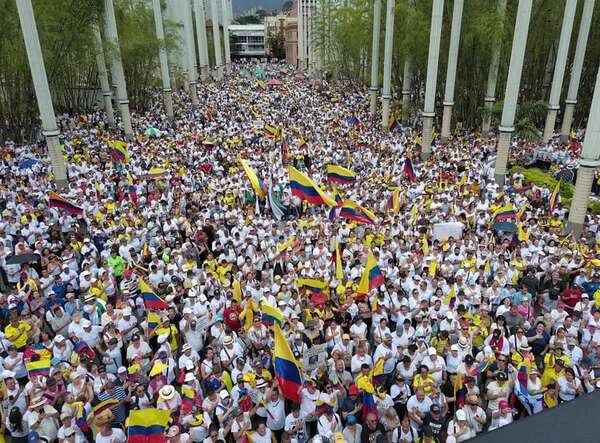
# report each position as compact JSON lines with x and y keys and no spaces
{"x":436,"y":425}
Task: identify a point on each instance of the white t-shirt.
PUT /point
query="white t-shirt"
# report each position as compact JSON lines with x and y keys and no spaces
{"x":257,"y":438}
{"x":117,"y":436}
{"x":276,"y":414}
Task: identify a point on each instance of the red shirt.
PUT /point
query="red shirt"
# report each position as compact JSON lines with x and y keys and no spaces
{"x":231,"y":317}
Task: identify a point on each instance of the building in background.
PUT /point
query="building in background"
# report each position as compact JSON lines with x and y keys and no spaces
{"x":248,"y":40}
{"x":282,"y":26}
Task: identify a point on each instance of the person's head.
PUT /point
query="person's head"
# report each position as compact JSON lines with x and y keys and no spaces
{"x":420,"y":393}
{"x":371,"y":421}
{"x":435,"y":411}
{"x":261,"y":429}
{"x":351,"y":421}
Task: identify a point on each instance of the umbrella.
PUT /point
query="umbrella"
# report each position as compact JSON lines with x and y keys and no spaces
{"x":315,"y":82}
{"x":152,"y":132}
{"x":299,"y":77}
{"x":28,"y":163}
{"x":274,"y":82}
{"x":505,"y":227}
{"x":259,"y":72}
{"x":566,"y":174}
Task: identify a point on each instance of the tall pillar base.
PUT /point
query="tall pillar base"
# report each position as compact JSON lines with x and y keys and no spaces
{"x":583,"y":187}
{"x":204,"y":73}
{"x":502,"y":154}
{"x":194,"y":93}
{"x":567,"y":120}
{"x":168,"y":98}
{"x":487,"y":121}
{"x":427,"y":134}
{"x":446,"y":120}
{"x":108,"y":108}
{"x":228,"y":68}
{"x":57,"y":158}
{"x":385,"y":116}
{"x":218,"y":72}
{"x":373,"y":106}
{"x":126,"y":119}
{"x":550,"y":122}
{"x":405,"y":106}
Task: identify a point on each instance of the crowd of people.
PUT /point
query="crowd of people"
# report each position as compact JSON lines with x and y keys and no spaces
{"x":466,"y":332}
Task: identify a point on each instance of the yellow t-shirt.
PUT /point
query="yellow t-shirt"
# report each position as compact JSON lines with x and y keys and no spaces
{"x":426,"y":383}
{"x":17,"y":335}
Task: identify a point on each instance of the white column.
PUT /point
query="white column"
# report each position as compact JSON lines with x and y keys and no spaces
{"x":190,"y":49}
{"x":375,"y":56}
{"x":588,"y":162}
{"x":559,"y":67}
{"x":42,"y":91}
{"x":435,"y":36}
{"x":162,"y":57}
{"x":216,"y":39}
{"x":512,"y":88}
{"x":117,"y":68}
{"x":177,"y":58}
{"x":490,"y":93}
{"x":103,"y":74}
{"x":300,"y":27}
{"x":226,"y":19}
{"x":309,"y":43}
{"x":386,"y":96}
{"x":200,"y":17}
{"x":406,"y":89}
{"x":451,"y":71}
{"x":582,"y":38}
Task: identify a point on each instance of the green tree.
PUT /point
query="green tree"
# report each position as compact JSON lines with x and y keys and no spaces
{"x":528,"y":117}
{"x":276,"y":43}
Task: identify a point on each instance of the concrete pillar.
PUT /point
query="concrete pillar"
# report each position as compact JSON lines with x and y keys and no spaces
{"x":435,"y":36}
{"x":406,"y":89}
{"x":226,"y":19}
{"x":200,"y":18}
{"x":216,"y":39}
{"x":177,"y":56}
{"x":387,"y":64}
{"x":103,"y":74}
{"x":42,"y":91}
{"x":490,"y":93}
{"x":162,"y":57}
{"x":301,"y":42}
{"x":588,"y":162}
{"x":512,"y":88}
{"x":582,"y":38}
{"x":117,"y":68}
{"x":559,"y":68}
{"x":190,"y":49}
{"x":375,"y":56}
{"x":309,"y":43}
{"x":451,"y":71}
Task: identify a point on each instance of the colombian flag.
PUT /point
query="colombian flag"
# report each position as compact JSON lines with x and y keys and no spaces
{"x":57,"y":201}
{"x":257,"y":185}
{"x":337,"y":197}
{"x":148,"y":425}
{"x":153,"y":322}
{"x":104,"y":405}
{"x":353,"y":211}
{"x":118,"y":151}
{"x":394,"y":201}
{"x":372,"y":277}
{"x":504,"y":213}
{"x":287,"y":370}
{"x":305,"y":189}
{"x":408,"y":170}
{"x":271,"y":131}
{"x":188,"y":397}
{"x":339,"y":272}
{"x":156,"y":173}
{"x":151,"y":300}
{"x":393,"y":124}
{"x":310,"y":284}
{"x":271,"y":314}
{"x":340,"y":175}
{"x":38,"y":367}
{"x":82,"y":347}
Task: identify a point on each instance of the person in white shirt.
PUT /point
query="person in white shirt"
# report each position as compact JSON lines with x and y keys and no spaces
{"x":436,"y":365}
{"x":262,"y":434}
{"x":295,"y":425}
{"x":574,"y":352}
{"x":328,"y":424}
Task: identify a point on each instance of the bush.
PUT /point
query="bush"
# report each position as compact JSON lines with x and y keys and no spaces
{"x":541,"y":178}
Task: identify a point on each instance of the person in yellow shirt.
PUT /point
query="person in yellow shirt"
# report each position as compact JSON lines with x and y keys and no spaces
{"x":553,"y":372}
{"x":424,"y":380}
{"x":17,"y":332}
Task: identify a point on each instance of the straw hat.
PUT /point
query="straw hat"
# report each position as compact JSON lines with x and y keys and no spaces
{"x":167,"y":392}
{"x":37,"y":402}
{"x":105,"y":418}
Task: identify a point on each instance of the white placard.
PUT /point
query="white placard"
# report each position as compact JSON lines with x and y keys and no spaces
{"x":441,"y":231}
{"x":314,"y":357}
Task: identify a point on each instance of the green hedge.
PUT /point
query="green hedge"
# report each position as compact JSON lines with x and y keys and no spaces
{"x":542,"y":178}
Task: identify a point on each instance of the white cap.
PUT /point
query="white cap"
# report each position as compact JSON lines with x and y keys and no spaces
{"x":187,"y":310}
{"x":449,"y":315}
{"x":431,"y":351}
{"x":122,"y":370}
{"x":454,"y":348}
{"x":460,"y":415}
{"x":86,"y":323}
{"x":223,"y":394}
{"x":127,"y":311}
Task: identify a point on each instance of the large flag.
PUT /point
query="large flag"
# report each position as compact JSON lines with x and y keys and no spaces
{"x":38,"y":367}
{"x":311,"y":284}
{"x":353,"y":211}
{"x":151,"y":300}
{"x":287,"y":370}
{"x":504,"y":213}
{"x":372,"y":277}
{"x":277,"y":207}
{"x":157,"y":173}
{"x":305,"y":189}
{"x":271,"y":314}
{"x":148,"y":425}
{"x":408,"y":170}
{"x":153,"y":322}
{"x":339,"y":272}
{"x":118,"y":151}
{"x":532,"y":403}
{"x":393,"y":202}
{"x":554,"y":197}
{"x":338,"y":174}
{"x":257,"y":185}
{"x":367,"y":390}
{"x":58,"y":201}
{"x":393,"y":123}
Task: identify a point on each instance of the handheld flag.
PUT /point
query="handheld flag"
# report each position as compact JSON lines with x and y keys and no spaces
{"x":343,"y":176}
{"x":151,"y":300}
{"x":305,"y":189}
{"x":157,"y":173}
{"x":554,"y":197}
{"x":57,"y":201}
{"x":153,"y":322}
{"x":372,"y":277}
{"x":339,"y":272}
{"x":310,"y":284}
{"x":393,"y":123}
{"x":104,"y":405}
{"x":147,"y":425}
{"x":408,"y":170}
{"x":271,"y":314}
{"x":118,"y":151}
{"x":353,"y":211}
{"x":257,"y":184}
{"x":38,"y":367}
{"x":287,"y":370}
